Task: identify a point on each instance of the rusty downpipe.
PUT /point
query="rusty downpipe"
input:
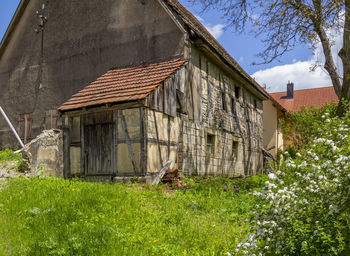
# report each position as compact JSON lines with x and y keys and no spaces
{"x":13,"y":129}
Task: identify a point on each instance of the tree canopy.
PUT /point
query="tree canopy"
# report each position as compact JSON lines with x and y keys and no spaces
{"x":286,"y":23}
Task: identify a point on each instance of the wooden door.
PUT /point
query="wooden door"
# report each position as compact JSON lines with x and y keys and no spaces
{"x":98,"y":148}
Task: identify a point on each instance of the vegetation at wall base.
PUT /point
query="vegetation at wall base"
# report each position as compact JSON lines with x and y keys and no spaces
{"x":48,"y":216}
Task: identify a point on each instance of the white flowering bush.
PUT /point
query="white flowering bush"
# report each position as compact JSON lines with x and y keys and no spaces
{"x":305,"y":205}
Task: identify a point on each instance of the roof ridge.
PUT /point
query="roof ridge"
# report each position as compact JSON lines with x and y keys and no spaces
{"x":199,"y":28}
{"x":304,"y":89}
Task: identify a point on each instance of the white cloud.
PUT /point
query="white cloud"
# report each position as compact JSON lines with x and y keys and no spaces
{"x":216,"y":30}
{"x":276,"y":78}
{"x":299,"y":73}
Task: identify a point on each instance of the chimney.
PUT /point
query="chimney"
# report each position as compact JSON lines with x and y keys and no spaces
{"x":290,"y":91}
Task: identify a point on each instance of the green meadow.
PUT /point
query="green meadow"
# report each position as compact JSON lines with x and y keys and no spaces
{"x":48,"y":216}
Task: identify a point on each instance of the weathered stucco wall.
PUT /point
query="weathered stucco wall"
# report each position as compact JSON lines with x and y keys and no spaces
{"x":82,"y":41}
{"x":273,"y":138}
{"x":168,"y":130}
{"x":233,"y":120}
{"x":270,"y":127}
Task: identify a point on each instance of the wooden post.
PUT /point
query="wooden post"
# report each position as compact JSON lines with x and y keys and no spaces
{"x":83,"y":170}
{"x":67,"y":131}
{"x":115,"y":142}
{"x":157,"y":134}
{"x":143,"y":140}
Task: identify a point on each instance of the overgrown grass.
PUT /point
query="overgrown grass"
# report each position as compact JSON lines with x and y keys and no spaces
{"x":10,"y":159}
{"x":9,"y":155}
{"x":62,"y":217}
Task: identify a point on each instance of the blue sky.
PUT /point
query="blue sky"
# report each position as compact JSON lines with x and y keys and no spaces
{"x":293,"y":66}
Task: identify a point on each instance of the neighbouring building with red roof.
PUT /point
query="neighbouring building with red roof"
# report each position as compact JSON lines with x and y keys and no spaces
{"x":290,"y":101}
{"x":133,"y":84}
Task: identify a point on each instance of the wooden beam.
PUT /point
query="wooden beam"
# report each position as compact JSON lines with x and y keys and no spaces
{"x":157,"y":134}
{"x":143,"y":140}
{"x":115,"y":142}
{"x":66,"y":151}
{"x":131,"y":153}
{"x":82,"y":141}
{"x":179,"y":140}
{"x":169,"y":137}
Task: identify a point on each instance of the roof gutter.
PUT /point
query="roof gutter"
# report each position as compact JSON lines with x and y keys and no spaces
{"x":15,"y":19}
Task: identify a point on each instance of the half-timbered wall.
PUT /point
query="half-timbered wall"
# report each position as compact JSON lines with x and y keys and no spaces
{"x":163,"y":137}
{"x":221,"y":112}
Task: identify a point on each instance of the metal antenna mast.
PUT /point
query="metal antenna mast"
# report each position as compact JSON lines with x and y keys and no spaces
{"x":40,"y":29}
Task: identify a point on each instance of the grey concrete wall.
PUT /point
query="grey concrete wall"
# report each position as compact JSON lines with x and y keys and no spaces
{"x":82,"y":41}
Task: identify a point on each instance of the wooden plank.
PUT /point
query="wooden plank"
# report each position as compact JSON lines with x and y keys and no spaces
{"x":28,"y":127}
{"x":179,"y":142}
{"x":169,"y":137}
{"x":66,"y":150}
{"x":200,"y":89}
{"x":115,"y":146}
{"x":166,"y":95}
{"x":208,"y":93}
{"x":121,"y":106}
{"x":157,"y":135}
{"x":162,"y":142}
{"x":131,"y":153}
{"x":82,"y":141}
{"x":161,"y":174}
{"x":20,"y":126}
{"x":143,"y":141}
{"x":172,"y":97}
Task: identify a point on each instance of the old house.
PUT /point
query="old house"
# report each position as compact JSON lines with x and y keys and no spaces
{"x":290,"y":101}
{"x":272,"y":134}
{"x":136,"y":83}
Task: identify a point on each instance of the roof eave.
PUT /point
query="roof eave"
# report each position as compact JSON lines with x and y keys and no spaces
{"x":204,"y":46}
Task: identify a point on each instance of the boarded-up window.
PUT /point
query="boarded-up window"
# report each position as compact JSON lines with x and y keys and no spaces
{"x":237,"y":92}
{"x":223,"y":101}
{"x":180,"y":102}
{"x":24,"y":128}
{"x":52,"y":119}
{"x":233,"y":107}
{"x":76,"y":129}
{"x":234,"y":150}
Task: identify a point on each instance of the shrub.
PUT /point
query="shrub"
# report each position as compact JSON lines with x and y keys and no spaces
{"x":305,"y":206}
{"x":300,"y":128}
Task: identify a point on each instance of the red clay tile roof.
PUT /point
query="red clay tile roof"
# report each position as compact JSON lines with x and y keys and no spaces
{"x":190,"y":20}
{"x":316,"y":97}
{"x":123,"y":84}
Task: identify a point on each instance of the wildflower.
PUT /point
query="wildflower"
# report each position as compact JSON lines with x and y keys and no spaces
{"x":272,"y":176}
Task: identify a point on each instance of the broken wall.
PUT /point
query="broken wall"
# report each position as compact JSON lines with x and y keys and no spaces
{"x":45,"y":154}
